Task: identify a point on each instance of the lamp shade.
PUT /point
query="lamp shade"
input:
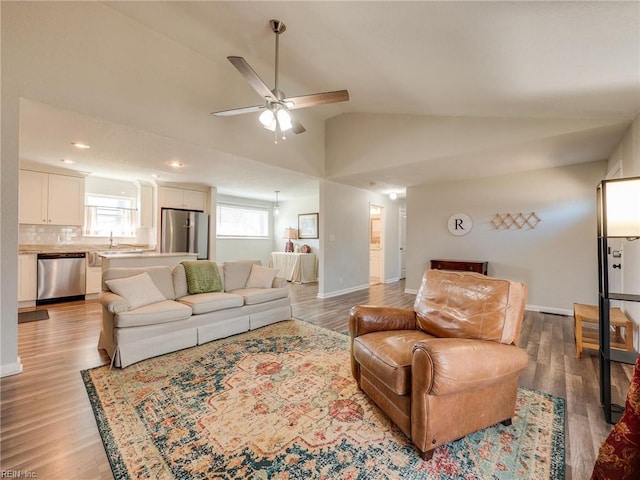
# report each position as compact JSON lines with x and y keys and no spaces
{"x":621,"y":207}
{"x":290,"y":233}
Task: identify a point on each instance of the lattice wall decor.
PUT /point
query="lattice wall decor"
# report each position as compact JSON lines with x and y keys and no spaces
{"x":515,"y":220}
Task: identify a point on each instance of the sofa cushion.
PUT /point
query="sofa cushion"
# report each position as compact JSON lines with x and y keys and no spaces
{"x":179,"y":281}
{"x":202,"y":277}
{"x":161,"y":276}
{"x":253,"y":296}
{"x":154,"y":313}
{"x":211,"y":302}
{"x":237,"y":273}
{"x":261,"y":277}
{"x":137,"y":290}
{"x":389,"y":354}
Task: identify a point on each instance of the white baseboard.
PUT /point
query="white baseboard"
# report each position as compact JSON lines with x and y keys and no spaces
{"x":11,"y":368}
{"x":337,"y":293}
{"x":411,"y":291}
{"x":392,"y":280}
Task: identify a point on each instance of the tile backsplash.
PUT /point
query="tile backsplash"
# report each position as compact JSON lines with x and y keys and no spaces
{"x":61,"y":235}
{"x":50,"y":234}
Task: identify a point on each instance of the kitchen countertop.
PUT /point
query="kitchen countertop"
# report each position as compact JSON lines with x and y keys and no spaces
{"x":151,"y":253}
{"x":62,"y":248}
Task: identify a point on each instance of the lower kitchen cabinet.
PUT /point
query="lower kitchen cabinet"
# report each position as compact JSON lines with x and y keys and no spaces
{"x":27,"y":277}
{"x":94,"y":280}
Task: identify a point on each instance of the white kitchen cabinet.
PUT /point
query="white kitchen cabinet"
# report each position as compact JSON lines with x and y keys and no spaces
{"x":51,"y":199}
{"x":94,"y":280}
{"x":146,"y":206}
{"x":171,"y":197}
{"x":27,"y":277}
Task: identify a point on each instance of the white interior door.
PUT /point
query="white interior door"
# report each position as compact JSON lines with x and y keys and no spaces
{"x":402,"y":231}
{"x":376,"y":241}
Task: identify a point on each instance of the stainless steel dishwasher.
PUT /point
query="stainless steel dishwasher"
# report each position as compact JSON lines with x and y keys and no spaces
{"x":61,"y":277}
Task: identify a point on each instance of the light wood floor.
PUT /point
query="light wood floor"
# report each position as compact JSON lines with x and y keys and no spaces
{"x":47,"y":426}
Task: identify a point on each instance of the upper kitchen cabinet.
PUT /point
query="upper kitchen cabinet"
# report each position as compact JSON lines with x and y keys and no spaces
{"x":146,"y":206}
{"x":51,"y":199}
{"x":171,"y":197}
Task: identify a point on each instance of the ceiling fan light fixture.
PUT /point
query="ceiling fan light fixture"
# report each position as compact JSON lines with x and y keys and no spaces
{"x":267,"y":118}
{"x":284,"y":120}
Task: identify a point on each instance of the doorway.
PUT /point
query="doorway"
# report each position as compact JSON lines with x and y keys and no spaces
{"x":402,"y":235}
{"x":376,"y":239}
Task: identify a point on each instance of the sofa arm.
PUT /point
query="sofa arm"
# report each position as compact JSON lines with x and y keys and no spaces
{"x":112,"y":302}
{"x":366,"y":319}
{"x":441,"y":366}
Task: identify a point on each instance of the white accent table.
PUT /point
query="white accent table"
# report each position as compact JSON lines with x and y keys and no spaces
{"x":295,"y":267}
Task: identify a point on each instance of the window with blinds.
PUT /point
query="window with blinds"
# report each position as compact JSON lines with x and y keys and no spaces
{"x":110,"y":216}
{"x":245,"y":221}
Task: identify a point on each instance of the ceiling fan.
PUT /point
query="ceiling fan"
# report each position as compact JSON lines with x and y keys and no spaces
{"x":276,"y":115}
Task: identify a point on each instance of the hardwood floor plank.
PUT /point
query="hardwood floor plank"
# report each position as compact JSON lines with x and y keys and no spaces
{"x":47,"y":425}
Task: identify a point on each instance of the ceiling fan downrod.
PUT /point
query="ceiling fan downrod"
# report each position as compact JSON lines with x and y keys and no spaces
{"x":278,"y":28}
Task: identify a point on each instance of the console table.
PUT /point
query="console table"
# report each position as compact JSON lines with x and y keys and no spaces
{"x":295,"y":267}
{"x":479,"y":267}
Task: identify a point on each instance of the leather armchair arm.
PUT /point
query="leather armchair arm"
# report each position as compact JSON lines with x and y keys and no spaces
{"x":366,"y":319}
{"x":441,"y":366}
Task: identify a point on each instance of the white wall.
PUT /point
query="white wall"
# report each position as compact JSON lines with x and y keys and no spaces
{"x":557,"y":259}
{"x":9,"y":360}
{"x":344,"y":238}
{"x":627,"y":155}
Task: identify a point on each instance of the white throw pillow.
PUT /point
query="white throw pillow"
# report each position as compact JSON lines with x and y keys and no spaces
{"x":138,"y":290}
{"x":261,"y":277}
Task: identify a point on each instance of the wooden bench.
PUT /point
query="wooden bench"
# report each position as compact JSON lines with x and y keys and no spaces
{"x":589,"y":337}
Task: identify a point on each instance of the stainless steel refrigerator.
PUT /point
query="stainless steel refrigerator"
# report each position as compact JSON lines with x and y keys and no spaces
{"x":185,"y":231}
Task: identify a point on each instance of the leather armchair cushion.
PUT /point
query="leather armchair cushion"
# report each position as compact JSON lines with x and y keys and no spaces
{"x":388,"y":355}
{"x":468,"y":305}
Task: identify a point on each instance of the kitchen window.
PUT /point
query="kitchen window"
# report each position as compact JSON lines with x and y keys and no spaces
{"x":242,"y":221}
{"x":107,"y":216}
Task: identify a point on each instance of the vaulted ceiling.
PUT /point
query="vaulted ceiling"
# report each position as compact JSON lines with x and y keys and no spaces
{"x":454,"y":89}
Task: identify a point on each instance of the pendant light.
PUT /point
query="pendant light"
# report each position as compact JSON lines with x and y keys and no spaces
{"x":276,"y":208}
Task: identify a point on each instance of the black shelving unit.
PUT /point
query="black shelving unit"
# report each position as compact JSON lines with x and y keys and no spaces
{"x":612,"y":412}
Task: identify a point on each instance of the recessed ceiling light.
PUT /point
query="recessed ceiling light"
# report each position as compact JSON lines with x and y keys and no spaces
{"x":393,"y":195}
{"x":155,"y":175}
{"x":83,"y":146}
{"x":67,"y":161}
{"x":176,"y":164}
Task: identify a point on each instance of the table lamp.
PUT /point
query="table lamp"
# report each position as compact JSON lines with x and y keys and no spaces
{"x":289,"y":233}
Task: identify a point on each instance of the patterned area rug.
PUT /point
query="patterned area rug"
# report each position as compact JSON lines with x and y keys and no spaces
{"x":280,"y":402}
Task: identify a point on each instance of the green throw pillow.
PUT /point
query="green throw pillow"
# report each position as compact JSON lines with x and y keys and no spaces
{"x":202,"y":277}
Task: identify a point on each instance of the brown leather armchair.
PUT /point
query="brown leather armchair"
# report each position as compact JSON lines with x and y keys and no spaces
{"x":450,"y":366}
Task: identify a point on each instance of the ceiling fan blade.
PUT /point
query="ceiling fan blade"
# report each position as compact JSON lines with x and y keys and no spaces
{"x":296,"y":126}
{"x":305,"y":101}
{"x":239,"y":111}
{"x":252,"y":77}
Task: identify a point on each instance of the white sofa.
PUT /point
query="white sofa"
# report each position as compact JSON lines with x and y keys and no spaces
{"x":172,"y":319}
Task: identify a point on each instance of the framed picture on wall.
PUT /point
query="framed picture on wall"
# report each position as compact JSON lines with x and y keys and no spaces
{"x":308,"y":225}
